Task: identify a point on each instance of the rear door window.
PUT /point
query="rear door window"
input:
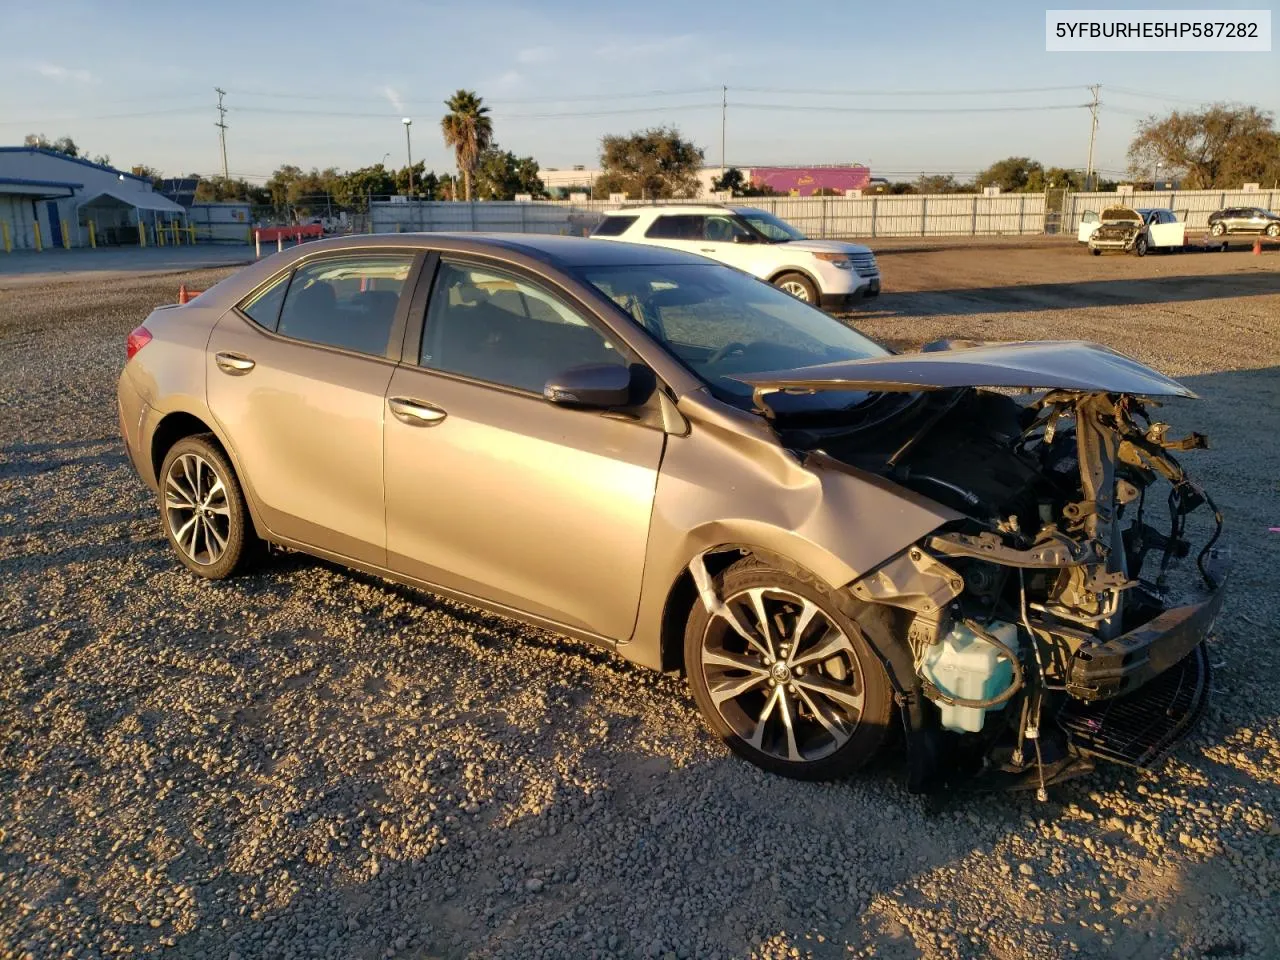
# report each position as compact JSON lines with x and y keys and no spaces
{"x":348,"y":302}
{"x":263,"y":307}
{"x":613,"y":226}
{"x":683,"y":226}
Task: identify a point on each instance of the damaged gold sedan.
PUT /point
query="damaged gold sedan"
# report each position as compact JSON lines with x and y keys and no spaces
{"x":659,"y":454}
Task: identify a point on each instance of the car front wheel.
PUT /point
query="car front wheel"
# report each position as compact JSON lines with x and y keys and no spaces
{"x":1140,"y":247}
{"x":783,"y":673}
{"x":203,"y":509}
{"x":799,"y":286}
{"x":1273,"y":230}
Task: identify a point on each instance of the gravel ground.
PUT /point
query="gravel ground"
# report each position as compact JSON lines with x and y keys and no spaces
{"x":311,"y":763}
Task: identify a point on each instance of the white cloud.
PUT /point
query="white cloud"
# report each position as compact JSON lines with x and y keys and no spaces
{"x":508,"y":82}
{"x":533,"y":55}
{"x":650,"y":49}
{"x":63,"y":74}
{"x":393,"y":98}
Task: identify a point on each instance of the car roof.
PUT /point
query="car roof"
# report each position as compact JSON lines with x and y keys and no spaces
{"x":672,"y":208}
{"x":551,"y":249}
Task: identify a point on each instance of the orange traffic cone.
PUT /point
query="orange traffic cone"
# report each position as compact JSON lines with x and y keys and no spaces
{"x":1257,"y":246}
{"x":182,"y":293}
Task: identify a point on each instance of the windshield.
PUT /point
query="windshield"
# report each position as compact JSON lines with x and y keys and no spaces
{"x":779,"y":231}
{"x":721,"y":323}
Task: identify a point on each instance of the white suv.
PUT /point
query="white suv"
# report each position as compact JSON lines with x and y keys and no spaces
{"x":827,"y":273}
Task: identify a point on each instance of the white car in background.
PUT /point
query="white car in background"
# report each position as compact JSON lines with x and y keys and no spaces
{"x":1155,"y":227}
{"x":830,"y":274}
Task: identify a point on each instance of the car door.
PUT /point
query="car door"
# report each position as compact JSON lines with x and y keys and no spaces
{"x":493,"y":491}
{"x":1165,"y":230}
{"x":297,"y":379}
{"x":1088,"y":224}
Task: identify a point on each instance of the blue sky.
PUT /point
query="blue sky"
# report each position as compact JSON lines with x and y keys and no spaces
{"x":321,"y":84}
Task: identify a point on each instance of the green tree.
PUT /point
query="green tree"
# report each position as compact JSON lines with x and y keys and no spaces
{"x":354,"y":187}
{"x":653,"y":164}
{"x":220,"y":189}
{"x":1223,"y":145}
{"x":938,"y":183}
{"x":421,"y":188}
{"x":469,"y":131}
{"x":500,"y":175}
{"x":732,"y":180}
{"x":1011,"y":174}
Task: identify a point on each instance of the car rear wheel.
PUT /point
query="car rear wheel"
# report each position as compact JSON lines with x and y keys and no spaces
{"x":784,"y":674}
{"x":799,"y":286}
{"x":203,"y":510}
{"x":1218,"y":229}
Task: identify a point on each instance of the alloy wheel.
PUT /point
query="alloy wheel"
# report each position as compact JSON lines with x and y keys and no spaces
{"x":796,"y":289}
{"x":782,"y":674}
{"x":196,"y":508}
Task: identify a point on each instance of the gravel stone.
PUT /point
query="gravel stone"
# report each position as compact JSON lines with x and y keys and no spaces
{"x":214,"y":769}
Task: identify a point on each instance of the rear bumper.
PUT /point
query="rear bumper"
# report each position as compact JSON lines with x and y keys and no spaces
{"x":1119,"y":666}
{"x":133,"y":413}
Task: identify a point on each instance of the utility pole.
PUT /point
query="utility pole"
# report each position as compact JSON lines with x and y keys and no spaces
{"x":222,"y":129}
{"x":724,"y":108}
{"x":1093,"y":133}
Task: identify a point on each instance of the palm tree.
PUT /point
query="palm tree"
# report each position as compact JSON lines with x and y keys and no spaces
{"x":468,"y":129}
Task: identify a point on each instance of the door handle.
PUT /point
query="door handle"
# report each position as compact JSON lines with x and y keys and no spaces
{"x":706,"y":249}
{"x":416,"y":413}
{"x":233,"y":364}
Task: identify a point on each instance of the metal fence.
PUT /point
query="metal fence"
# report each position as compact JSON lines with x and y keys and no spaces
{"x":1191,"y":206}
{"x":881,"y":216}
{"x":941,"y":215}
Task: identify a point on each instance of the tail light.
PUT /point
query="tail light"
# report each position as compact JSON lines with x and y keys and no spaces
{"x":138,"y":338}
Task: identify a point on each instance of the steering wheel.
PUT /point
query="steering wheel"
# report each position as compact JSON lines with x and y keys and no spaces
{"x":733,"y":346}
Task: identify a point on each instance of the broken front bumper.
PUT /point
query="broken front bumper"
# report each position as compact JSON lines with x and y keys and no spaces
{"x":1119,"y":666}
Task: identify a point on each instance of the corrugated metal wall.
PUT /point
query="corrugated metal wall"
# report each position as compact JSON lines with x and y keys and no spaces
{"x":886,"y":216}
{"x":1191,"y":206}
{"x":941,"y":215}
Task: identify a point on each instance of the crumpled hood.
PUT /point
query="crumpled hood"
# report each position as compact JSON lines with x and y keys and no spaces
{"x":1121,"y":215}
{"x":1044,"y":364}
{"x":825,"y":246}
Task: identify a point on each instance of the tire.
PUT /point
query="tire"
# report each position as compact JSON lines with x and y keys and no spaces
{"x":1273,"y":230}
{"x":1218,"y":229}
{"x":200,"y":499}
{"x":1095,"y":251}
{"x":799,"y":286}
{"x":1140,"y":247}
{"x":832,"y":688}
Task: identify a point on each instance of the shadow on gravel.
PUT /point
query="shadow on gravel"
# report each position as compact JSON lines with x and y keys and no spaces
{"x":1070,"y":296}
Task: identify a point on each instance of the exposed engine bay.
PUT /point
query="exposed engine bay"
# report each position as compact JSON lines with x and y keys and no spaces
{"x":1045,"y":628}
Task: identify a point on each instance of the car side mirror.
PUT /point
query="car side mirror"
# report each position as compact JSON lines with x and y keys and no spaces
{"x":592,"y":386}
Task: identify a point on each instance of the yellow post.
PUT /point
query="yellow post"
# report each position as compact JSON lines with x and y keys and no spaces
{"x":159,"y":234}
{"x":93,"y":237}
{"x":142,"y":234}
{"x":191,"y":233}
{"x":8,"y":240}
{"x":36,"y":227}
{"x":174,"y":228}
{"x":66,"y":236}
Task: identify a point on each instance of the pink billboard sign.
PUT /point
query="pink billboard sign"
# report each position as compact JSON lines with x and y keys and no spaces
{"x":806,"y":181}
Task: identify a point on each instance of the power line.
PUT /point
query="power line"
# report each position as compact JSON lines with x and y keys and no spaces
{"x":102,"y":116}
{"x":899,"y":110}
{"x":571,"y":98}
{"x":905,"y":93}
